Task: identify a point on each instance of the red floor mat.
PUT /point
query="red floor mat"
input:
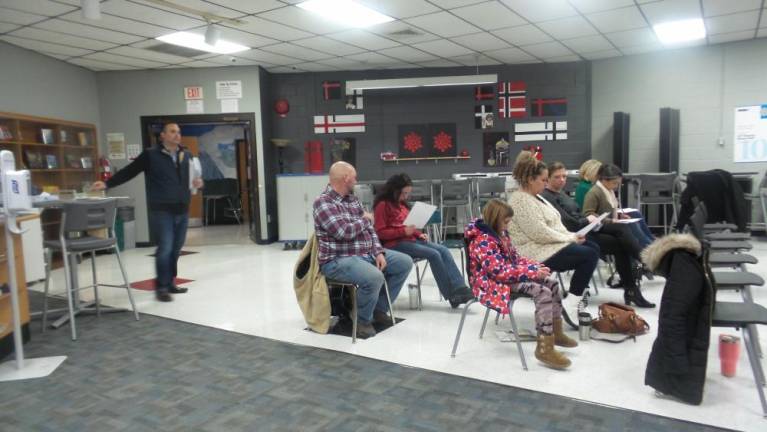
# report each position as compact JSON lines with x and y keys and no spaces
{"x":148,"y":285}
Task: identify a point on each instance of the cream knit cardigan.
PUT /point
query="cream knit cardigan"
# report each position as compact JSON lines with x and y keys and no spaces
{"x":536,"y":228}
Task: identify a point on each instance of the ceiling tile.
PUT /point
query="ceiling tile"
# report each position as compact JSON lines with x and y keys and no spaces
{"x":489,"y":15}
{"x":147,"y":14}
{"x":296,"y":17}
{"x":249,"y":6}
{"x":563,"y":59}
{"x":408,"y":54}
{"x":719,"y":7}
{"x":402,"y":32}
{"x":443,"y":48}
{"x":596,"y":55}
{"x":316,"y":67}
{"x":588,"y":44}
{"x":238,"y":61}
{"x":147,"y":54}
{"x":289,"y":49}
{"x":215,"y":9}
{"x":56,"y":56}
{"x":522,"y":35}
{"x":45,"y":46}
{"x":617,"y":20}
{"x":763,"y":21}
{"x":363,"y":39}
{"x":6,"y":27}
{"x":732,"y":23}
{"x":568,"y":28}
{"x":271,"y":29}
{"x":39,"y":7}
{"x":439,"y":63}
{"x":548,"y":50}
{"x":86,"y":31}
{"x":443,"y":24}
{"x":63,"y":39}
{"x":480,"y":41}
{"x":342,"y":63}
{"x":541,"y":10}
{"x":401,"y":66}
{"x":283,"y":69}
{"x":641,"y":49}
{"x":15,"y":17}
{"x":121,"y":59}
{"x":267,"y":57}
{"x":243,"y":38}
{"x":731,"y":37}
{"x":450,"y":4}
{"x":633,"y":38}
{"x":110,"y":22}
{"x":99,"y":65}
{"x":200,"y":64}
{"x":510,"y":55}
{"x":400,"y":8}
{"x":372,"y":58}
{"x":762,"y":32}
{"x":327,"y":45}
{"x":475,"y":60}
{"x":671,"y":10}
{"x":590,"y":6}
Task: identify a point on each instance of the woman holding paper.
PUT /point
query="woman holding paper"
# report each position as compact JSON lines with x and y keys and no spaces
{"x":391,"y":210}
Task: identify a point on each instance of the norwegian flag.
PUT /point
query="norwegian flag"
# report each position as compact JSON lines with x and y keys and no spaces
{"x":331,"y":90}
{"x":540,"y":131}
{"x":512,"y":99}
{"x":483,"y":93}
{"x":549,"y":107}
{"x":339,"y":123}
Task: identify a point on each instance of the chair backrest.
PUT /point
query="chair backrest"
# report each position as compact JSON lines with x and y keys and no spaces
{"x":421,"y":191}
{"x":453,"y":189}
{"x":570,"y":185}
{"x":658,"y":184}
{"x":222,"y":186}
{"x":491,"y":186}
{"x":468,"y":259}
{"x":88,"y":214}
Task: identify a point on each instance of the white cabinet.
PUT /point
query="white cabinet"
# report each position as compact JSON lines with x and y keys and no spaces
{"x":32,"y":244}
{"x":295,"y":195}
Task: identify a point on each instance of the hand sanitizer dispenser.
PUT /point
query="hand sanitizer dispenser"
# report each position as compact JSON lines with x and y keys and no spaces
{"x":16,"y":184}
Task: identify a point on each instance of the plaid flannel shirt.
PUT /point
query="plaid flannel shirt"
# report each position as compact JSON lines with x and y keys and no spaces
{"x":341,"y":230}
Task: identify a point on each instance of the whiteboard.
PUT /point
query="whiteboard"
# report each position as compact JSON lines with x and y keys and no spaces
{"x":750,"y":140}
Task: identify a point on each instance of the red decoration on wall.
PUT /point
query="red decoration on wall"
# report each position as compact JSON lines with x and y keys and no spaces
{"x":281,"y":107}
{"x":536,"y":151}
{"x":413,"y":142}
{"x":313,"y":163}
{"x":443,"y":142}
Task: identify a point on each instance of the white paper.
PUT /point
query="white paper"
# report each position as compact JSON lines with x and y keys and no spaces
{"x":420,"y":214}
{"x":195,"y":171}
{"x":133,"y":151}
{"x":750,"y":134}
{"x":229,"y":106}
{"x":228,"y":89}
{"x":585,"y":230}
{"x":116,"y":145}
{"x":627,"y":210}
{"x":195,"y":106}
{"x":627,"y":221}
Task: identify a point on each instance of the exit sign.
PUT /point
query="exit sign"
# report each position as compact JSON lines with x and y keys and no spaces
{"x":193,"y":92}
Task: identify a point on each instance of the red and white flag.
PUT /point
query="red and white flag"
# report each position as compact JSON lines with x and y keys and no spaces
{"x":339,"y":123}
{"x":512,"y":99}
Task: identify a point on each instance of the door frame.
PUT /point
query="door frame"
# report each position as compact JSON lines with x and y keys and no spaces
{"x":248,"y":121}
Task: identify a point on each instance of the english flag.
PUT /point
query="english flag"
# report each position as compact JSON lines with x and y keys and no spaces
{"x":339,"y":123}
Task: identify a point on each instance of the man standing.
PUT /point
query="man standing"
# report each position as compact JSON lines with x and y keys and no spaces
{"x":349,"y":249}
{"x":166,"y":167}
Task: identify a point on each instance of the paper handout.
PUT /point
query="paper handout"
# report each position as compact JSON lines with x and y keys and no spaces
{"x":420,"y":214}
{"x":585,"y":230}
{"x":195,"y":171}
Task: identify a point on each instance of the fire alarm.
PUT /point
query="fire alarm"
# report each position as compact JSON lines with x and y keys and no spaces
{"x":281,"y":107}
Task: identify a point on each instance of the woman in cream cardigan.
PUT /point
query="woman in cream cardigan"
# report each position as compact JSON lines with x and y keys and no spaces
{"x":537,"y":231}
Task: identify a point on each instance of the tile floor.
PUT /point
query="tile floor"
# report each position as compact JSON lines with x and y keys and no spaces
{"x":247,"y":288}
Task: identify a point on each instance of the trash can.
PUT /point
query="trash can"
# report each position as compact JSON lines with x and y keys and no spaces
{"x":125,"y":224}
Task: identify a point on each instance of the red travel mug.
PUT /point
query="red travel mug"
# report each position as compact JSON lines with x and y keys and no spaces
{"x":729,"y":351}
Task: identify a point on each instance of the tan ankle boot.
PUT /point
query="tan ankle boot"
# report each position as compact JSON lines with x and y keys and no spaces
{"x":560,"y":338}
{"x":547,"y":355}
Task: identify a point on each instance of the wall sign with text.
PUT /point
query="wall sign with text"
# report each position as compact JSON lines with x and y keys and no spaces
{"x":750,"y":141}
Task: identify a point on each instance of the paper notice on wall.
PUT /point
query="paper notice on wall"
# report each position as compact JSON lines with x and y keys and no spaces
{"x":750,"y":138}
{"x":133,"y":151}
{"x":230,"y":105}
{"x":116,"y":145}
{"x":195,"y":106}
{"x":228,"y":89}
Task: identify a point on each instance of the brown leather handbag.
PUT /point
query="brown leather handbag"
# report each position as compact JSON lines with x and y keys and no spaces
{"x":618,"y":318}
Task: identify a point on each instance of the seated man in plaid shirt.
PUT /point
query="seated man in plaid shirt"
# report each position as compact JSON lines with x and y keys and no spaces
{"x":349,"y":249}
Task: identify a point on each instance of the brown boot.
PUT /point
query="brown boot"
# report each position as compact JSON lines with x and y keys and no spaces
{"x":560,"y":338}
{"x":547,"y":355}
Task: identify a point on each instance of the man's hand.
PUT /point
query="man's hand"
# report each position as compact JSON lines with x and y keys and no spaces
{"x":409,"y":230}
{"x":580,"y":239}
{"x":423,"y":237}
{"x":380,"y":261}
{"x":98,"y":186}
{"x":591,"y":218}
{"x":543,"y":272}
{"x":623,"y":216}
{"x":197,"y":183}
{"x":368,"y":216}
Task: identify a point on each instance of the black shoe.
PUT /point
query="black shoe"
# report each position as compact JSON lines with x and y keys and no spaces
{"x":177,"y":290}
{"x":634,"y":295}
{"x":461,"y":296}
{"x":365,"y":330}
{"x":380,"y":318}
{"x":163,"y":296}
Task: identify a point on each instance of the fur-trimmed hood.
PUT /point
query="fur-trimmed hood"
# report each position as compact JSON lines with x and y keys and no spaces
{"x":653,"y":254}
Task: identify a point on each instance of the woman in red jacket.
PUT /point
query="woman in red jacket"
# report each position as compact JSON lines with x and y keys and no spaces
{"x":391,"y":209}
{"x":496,"y":270}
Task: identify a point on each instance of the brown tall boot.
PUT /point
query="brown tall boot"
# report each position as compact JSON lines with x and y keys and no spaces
{"x":547,"y":355}
{"x":560,"y":338}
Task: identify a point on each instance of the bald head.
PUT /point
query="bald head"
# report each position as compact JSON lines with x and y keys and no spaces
{"x":343,"y":177}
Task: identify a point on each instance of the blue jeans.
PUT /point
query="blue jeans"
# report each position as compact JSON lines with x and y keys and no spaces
{"x":640,"y":230}
{"x":362,"y":271}
{"x":169,"y":230}
{"x":443,"y":267}
{"x":582,"y":258}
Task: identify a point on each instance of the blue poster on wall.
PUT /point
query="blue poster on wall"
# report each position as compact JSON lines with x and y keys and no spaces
{"x":217,"y":144}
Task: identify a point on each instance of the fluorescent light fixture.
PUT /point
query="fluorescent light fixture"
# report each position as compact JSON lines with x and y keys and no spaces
{"x":91,"y":9}
{"x":197,"y":41}
{"x":437,"y":81}
{"x":680,"y":31}
{"x":345,"y":12}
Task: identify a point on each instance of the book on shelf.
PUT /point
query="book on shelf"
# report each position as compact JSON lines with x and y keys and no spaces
{"x":46,"y":136}
{"x":82,"y":137}
{"x":33,"y":159}
{"x":52,"y":162}
{"x":73,"y":161}
{"x":5,"y":133}
{"x":63,"y":137}
{"x":86,"y":162}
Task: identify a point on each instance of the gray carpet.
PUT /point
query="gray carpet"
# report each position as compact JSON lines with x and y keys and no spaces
{"x":164,"y":375}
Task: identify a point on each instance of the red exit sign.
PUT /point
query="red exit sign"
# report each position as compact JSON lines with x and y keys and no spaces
{"x":193,"y":92}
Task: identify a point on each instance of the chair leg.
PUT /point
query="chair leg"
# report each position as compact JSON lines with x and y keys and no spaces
{"x":48,"y":265}
{"x":754,"y":341}
{"x":484,"y":323}
{"x":353,"y":293}
{"x":391,"y":307}
{"x":95,"y":283}
{"x":460,"y":326}
{"x":517,"y":337}
{"x":70,"y":293}
{"x":748,"y":298}
{"x":463,"y":264}
{"x":127,"y":283}
{"x":418,"y":283}
{"x":754,"y":360}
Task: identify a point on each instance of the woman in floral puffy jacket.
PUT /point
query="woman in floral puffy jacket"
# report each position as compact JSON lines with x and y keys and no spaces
{"x":496,"y":270}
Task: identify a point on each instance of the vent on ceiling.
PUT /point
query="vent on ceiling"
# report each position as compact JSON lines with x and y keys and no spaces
{"x":406,"y":33}
{"x":176,"y":50}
